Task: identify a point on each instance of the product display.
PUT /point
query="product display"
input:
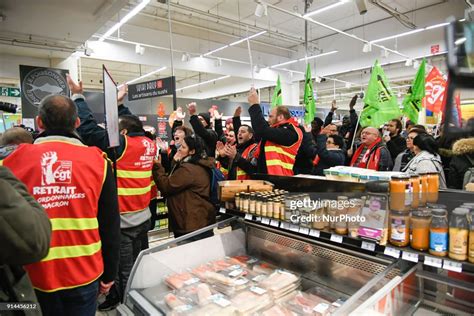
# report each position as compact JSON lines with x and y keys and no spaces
{"x":458,"y":234}
{"x":420,"y":229}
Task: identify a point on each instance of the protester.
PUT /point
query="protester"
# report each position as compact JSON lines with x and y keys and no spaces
{"x":202,"y":127}
{"x":167,"y":152}
{"x":85,"y":216}
{"x":404,"y":157}
{"x":462,"y":161}
{"x":372,"y":152}
{"x":16,"y":136}
{"x":187,"y":189}
{"x":316,"y":127}
{"x":426,"y":158}
{"x":349,"y":122}
{"x":134,"y":161}
{"x":408,"y":126}
{"x":25,"y":233}
{"x":306,"y":153}
{"x":394,"y":141}
{"x":280,"y":138}
{"x":329,"y":155}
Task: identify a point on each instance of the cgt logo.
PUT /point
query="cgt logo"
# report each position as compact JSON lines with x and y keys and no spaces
{"x":55,"y":171}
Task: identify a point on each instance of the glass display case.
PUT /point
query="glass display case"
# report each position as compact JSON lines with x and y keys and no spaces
{"x":170,"y":275}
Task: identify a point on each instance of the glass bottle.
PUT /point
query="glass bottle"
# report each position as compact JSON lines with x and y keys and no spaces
{"x":433,"y":187}
{"x":458,"y":234}
{"x":439,"y":232}
{"x":420,"y":229}
{"x":399,"y":228}
{"x":400,"y":199}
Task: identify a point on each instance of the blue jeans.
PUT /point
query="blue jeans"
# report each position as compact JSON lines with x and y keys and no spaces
{"x":80,"y":301}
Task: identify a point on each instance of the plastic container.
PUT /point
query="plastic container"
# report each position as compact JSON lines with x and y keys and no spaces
{"x":458,"y":234}
{"x":399,"y":228}
{"x":420,"y":229}
{"x":433,"y":187}
{"x":400,"y":199}
{"x":439,"y":233}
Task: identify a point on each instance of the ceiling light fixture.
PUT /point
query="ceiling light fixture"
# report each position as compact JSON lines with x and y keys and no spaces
{"x":140,"y":50}
{"x":144,"y":76}
{"x":409,"y":62}
{"x":185,"y":57}
{"x":233,"y":43}
{"x":367,"y":48}
{"x":303,"y":59}
{"x":326,"y":8}
{"x":261,"y":10}
{"x":124,"y":20}
{"x":204,"y":82}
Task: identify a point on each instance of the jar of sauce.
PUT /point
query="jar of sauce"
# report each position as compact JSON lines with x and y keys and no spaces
{"x":420,"y":229}
{"x":433,"y":187}
{"x":458,"y":234}
{"x":439,"y":232}
{"x":399,"y":228}
{"x":400,"y":199}
{"x":423,"y":188}
{"x":471,"y":237}
{"x":415,"y":190}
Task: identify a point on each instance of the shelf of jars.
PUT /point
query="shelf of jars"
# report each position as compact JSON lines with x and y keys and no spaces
{"x":366,"y":246}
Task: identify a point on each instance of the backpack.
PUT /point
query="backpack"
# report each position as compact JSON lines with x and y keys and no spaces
{"x":216,"y":177}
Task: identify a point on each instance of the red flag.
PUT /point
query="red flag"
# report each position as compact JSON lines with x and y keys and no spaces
{"x":435,"y":87}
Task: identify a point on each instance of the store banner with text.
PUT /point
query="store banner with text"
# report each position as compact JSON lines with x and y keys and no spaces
{"x":435,"y":87}
{"x":152,"y":89}
{"x":37,"y":83}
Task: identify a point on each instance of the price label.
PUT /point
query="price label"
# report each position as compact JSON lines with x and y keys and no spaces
{"x":336,"y":238}
{"x":314,"y":233}
{"x":258,"y":219}
{"x":368,"y":246}
{"x":433,"y":262}
{"x":265,"y":221}
{"x":452,"y":266}
{"x":257,"y":290}
{"x":284,"y":225}
{"x":392,"y":252}
{"x":304,"y":230}
{"x":295,"y":228}
{"x":236,"y":273}
{"x":220,"y":300}
{"x":274,"y":223}
{"x":222,"y":210}
{"x":410,"y":256}
{"x":248,"y":217}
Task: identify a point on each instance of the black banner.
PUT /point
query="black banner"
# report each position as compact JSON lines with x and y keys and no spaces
{"x":37,"y":83}
{"x":151,"y":89}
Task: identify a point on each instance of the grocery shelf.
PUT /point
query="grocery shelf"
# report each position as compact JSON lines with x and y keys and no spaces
{"x":362,"y":245}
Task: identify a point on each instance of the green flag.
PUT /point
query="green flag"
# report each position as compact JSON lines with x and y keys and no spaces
{"x":380,"y":103}
{"x":276,"y":100}
{"x":412,"y":102}
{"x":308,"y":99}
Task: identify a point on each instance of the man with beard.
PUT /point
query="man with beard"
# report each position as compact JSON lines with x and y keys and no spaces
{"x":395,"y":142}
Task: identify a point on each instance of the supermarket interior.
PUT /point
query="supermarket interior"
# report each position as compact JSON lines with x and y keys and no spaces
{"x":237,"y":157}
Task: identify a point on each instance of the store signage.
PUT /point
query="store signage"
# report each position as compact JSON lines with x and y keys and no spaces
{"x":9,"y":92}
{"x":152,"y":89}
{"x":37,"y":83}
{"x":434,"y":49}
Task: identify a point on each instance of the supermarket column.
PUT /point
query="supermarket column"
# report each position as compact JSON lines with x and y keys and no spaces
{"x":74,"y":184}
{"x":134,"y":161}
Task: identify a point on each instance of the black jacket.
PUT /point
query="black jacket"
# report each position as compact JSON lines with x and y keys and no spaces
{"x":306,"y":153}
{"x":344,"y":129}
{"x":249,"y":165}
{"x":206,"y":133}
{"x":284,"y":135}
{"x":462,"y":160}
{"x":327,"y":158}
{"x":396,"y":145}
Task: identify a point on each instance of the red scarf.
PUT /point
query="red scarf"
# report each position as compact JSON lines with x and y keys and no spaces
{"x":371,"y":157}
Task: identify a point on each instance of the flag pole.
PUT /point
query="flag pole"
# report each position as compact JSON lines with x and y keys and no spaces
{"x":355,"y":130}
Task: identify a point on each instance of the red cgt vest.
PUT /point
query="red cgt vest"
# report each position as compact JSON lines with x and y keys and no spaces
{"x":280,"y":159}
{"x":248,"y":153}
{"x":66,"y":178}
{"x":134,"y":179}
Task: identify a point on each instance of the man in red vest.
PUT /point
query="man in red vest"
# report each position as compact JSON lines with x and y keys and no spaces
{"x":75,"y":185}
{"x":134,"y":161}
{"x":372,"y":153}
{"x":280,"y":138}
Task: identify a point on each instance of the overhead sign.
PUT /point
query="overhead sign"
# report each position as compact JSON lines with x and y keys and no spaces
{"x":37,"y":83}
{"x":152,"y":89}
{"x":9,"y":92}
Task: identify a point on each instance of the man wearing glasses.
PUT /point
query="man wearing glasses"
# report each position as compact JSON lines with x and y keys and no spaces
{"x":372,"y":152}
